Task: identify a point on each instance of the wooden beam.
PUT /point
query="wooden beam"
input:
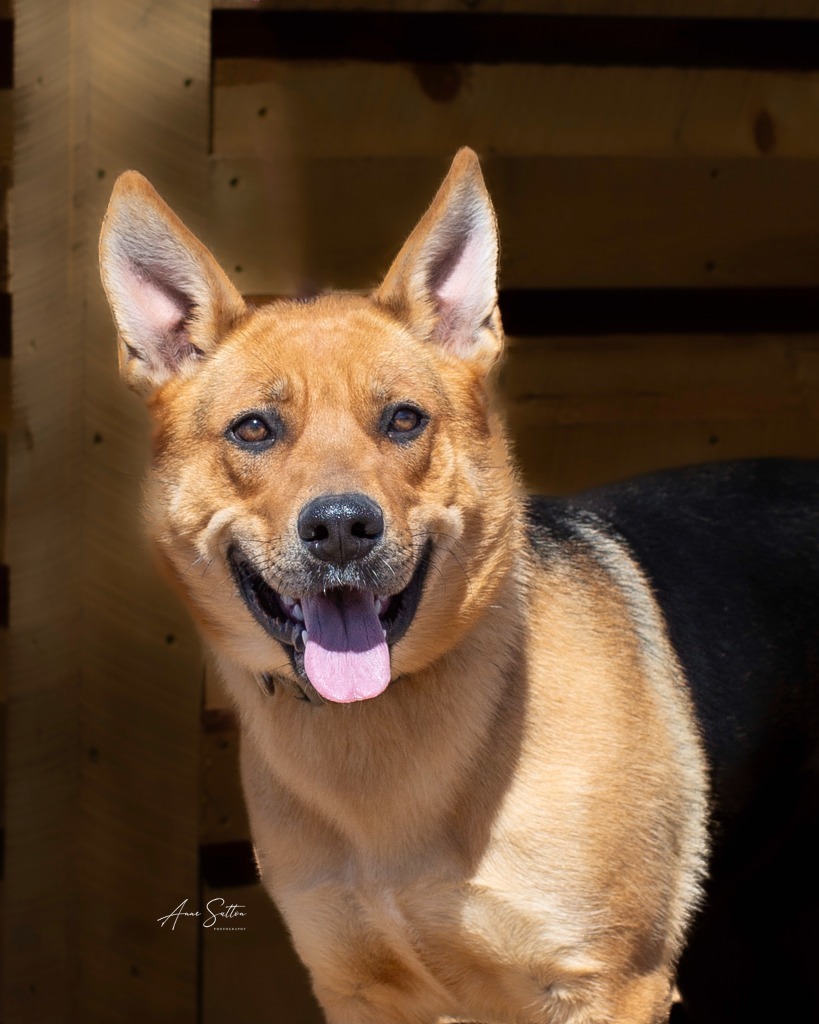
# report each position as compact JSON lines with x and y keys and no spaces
{"x":44,"y":534}
{"x":587,"y":411}
{"x":252,"y":974}
{"x":652,"y":379}
{"x":105,"y":671}
{"x":565,"y":222}
{"x":338,"y":109}
{"x":224,"y":818}
{"x":566,"y":458}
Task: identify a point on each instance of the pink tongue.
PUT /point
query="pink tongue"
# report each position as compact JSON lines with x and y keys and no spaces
{"x":346,"y":656}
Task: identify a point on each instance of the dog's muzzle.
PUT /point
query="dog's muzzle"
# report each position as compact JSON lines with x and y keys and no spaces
{"x":338,"y":636}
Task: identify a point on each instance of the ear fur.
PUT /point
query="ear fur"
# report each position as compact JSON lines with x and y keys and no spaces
{"x":170,"y":299}
{"x":443,"y":283}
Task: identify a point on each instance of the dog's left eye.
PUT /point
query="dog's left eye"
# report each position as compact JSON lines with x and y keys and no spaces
{"x":252,"y":431}
{"x":403,"y":422}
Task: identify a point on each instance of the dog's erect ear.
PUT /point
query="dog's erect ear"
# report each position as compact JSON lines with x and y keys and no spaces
{"x":443,"y":283}
{"x":170,"y":299}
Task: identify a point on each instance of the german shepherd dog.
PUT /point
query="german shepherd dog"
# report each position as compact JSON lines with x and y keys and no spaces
{"x":487,"y":740}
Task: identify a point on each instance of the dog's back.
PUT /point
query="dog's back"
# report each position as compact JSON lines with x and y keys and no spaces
{"x":732,"y":553}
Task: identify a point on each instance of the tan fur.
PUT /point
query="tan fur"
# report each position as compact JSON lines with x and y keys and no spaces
{"x":514,"y":830}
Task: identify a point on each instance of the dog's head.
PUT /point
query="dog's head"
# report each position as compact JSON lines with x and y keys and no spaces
{"x":330,"y":485}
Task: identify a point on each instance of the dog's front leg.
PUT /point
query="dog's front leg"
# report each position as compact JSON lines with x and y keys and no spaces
{"x":352,"y":938}
{"x":645,"y":1000}
{"x":361,"y":974}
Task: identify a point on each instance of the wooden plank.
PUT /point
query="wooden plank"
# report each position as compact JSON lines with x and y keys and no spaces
{"x":565,"y":222}
{"x":5,"y":396}
{"x":251,"y":975}
{"x":558,"y":459}
{"x":335,"y":109}
{"x":142,"y":668}
{"x":616,"y":379}
{"x":3,"y":555}
{"x":588,"y":411}
{"x":43,"y":539}
{"x":5,"y":422}
{"x":626,"y":8}
{"x":223,"y":817}
{"x":5,"y":331}
{"x":5,"y":188}
{"x":103,"y":760}
{"x":3,"y":714}
{"x":6,"y":125}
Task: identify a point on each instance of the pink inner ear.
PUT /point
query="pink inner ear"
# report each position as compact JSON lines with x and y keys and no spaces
{"x":153,"y":318}
{"x":457,"y":288}
{"x":468,"y":290}
{"x":158,"y":311}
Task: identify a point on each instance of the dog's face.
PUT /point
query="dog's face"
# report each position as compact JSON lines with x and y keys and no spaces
{"x":329,"y":480}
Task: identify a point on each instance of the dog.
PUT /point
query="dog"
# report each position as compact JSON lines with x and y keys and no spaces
{"x":488,"y":741}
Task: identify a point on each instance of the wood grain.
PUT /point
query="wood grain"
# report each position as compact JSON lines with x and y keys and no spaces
{"x":105,"y":672}
{"x":336,"y":109}
{"x":252,"y":975}
{"x":589,"y":411}
{"x":223,"y":817}
{"x":565,"y":222}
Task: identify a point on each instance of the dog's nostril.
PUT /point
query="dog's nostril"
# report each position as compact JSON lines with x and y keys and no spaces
{"x":318,"y":532}
{"x":367,"y":530}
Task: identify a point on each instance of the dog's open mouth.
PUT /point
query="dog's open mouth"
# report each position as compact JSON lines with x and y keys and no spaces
{"x":338,"y":639}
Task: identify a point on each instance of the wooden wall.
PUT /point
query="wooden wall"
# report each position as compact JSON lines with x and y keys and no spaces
{"x":655,"y":166}
{"x":104,"y":671}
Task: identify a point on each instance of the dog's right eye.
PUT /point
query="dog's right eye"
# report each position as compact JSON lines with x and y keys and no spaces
{"x":252,"y":431}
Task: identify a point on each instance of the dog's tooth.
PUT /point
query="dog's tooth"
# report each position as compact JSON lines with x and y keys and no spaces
{"x":304,"y":637}
{"x":384,"y":632}
{"x":379,"y":605}
{"x":296,"y":612}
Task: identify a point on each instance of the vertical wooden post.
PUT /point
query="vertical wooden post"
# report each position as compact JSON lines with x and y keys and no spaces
{"x":105,"y":672}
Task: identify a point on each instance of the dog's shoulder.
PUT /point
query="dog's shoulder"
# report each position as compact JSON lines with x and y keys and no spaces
{"x":731,"y":552}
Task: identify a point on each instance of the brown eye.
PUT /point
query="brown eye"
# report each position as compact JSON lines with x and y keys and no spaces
{"x":252,"y":431}
{"x":403,"y":422}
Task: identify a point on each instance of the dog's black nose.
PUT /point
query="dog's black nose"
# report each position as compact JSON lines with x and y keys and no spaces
{"x":341,"y":527}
